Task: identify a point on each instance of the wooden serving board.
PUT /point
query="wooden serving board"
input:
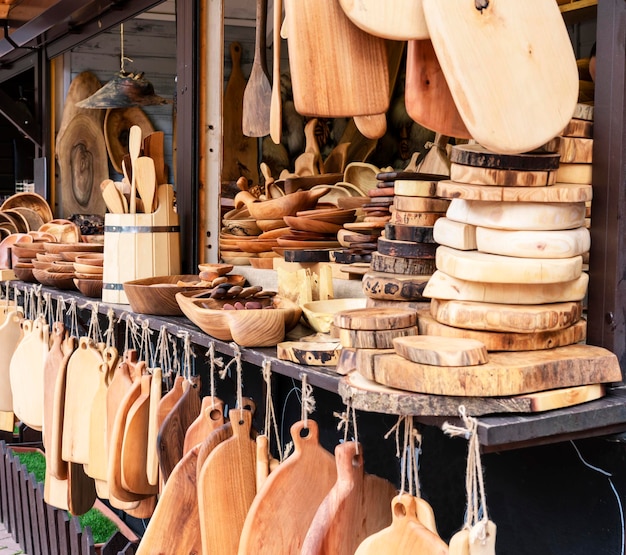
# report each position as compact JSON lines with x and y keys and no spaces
{"x":497,"y":110}
{"x":420,"y":204}
{"x":401,"y":287}
{"x":98,"y":443}
{"x":406,"y":266}
{"x":518,"y":215}
{"x":511,"y":373}
{"x":415,"y":188}
{"x":418,"y":219}
{"x":503,"y":178}
{"x":506,"y":317}
{"x":578,"y":128}
{"x":456,"y":235}
{"x":358,"y":503}
{"x":423,"y":234}
{"x":309,"y":353}
{"x":152,"y":460}
{"x":210,"y":418}
{"x":478,"y":156}
{"x":406,"y":249}
{"x":505,"y":341}
{"x":10,"y":337}
{"x":444,"y":286}
{"x":368,"y":339}
{"x":441,"y":351}
{"x":493,"y":268}
{"x":327,"y":79}
{"x":559,"y":192}
{"x":375,"y":318}
{"x":297,"y":487}
{"x":365,"y":394}
{"x":575,"y":173}
{"x":534,"y":244}
{"x":576,"y":150}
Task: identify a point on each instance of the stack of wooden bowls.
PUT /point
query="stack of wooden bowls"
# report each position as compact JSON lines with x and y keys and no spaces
{"x":88,"y":268}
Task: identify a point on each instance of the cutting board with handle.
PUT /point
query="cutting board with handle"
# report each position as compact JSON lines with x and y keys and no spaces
{"x":27,"y":373}
{"x":174,"y":526}
{"x":227,"y":486}
{"x":10,"y":337}
{"x":81,"y":489}
{"x":406,"y":535}
{"x":356,"y":507}
{"x":337,"y":69}
{"x":152,"y":459}
{"x":98,"y":448}
{"x":441,"y":351}
{"x":297,"y":487}
{"x":211,"y":417}
{"x":501,"y":111}
{"x":394,"y":20}
{"x":427,"y":95}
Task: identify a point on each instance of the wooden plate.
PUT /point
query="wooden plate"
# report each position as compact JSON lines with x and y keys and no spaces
{"x":310,"y":224}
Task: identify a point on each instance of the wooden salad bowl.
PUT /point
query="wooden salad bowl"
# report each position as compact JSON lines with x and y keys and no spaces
{"x":249,"y":328}
{"x":276,"y":208}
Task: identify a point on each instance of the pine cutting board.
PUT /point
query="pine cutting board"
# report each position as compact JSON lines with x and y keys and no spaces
{"x":491,"y":57}
{"x":458,"y":235}
{"x":10,"y":337}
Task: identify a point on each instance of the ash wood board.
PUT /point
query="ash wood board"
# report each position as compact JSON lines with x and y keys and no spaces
{"x":575,"y":173}
{"x":420,"y":204}
{"x":444,"y":286}
{"x":441,"y":351}
{"x":559,"y":192}
{"x":457,"y":235}
{"x":369,"y":339}
{"x":502,"y":178}
{"x":418,"y":234}
{"x":406,"y":266}
{"x":406,"y":249}
{"x":511,"y":373}
{"x":518,"y":215}
{"x":506,"y":317}
{"x":478,"y":156}
{"x":418,"y":219}
{"x":415,"y":188}
{"x":375,"y":318}
{"x":401,"y":287}
{"x":505,"y":341}
{"x":534,"y":244}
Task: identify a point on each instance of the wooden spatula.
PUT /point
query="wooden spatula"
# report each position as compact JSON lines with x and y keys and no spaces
{"x":134,"y":149}
{"x":276,"y":107}
{"x":112,"y":197}
{"x":145,"y":178}
{"x":153,"y":146}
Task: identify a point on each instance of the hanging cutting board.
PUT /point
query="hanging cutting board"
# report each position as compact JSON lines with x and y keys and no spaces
{"x":337,"y":70}
{"x":508,"y":373}
{"x":227,"y":486}
{"x":427,"y":95}
{"x":441,"y":351}
{"x":283,"y":509}
{"x":559,"y":192}
{"x":210,"y":418}
{"x":174,"y":526}
{"x":356,"y":507}
{"x":53,"y":362}
{"x":98,"y":452}
{"x":514,"y":82}
{"x":81,"y":489}
{"x":171,"y":438}
{"x":10,"y":337}
{"x":406,"y":535}
{"x":152,"y":459}
{"x":27,"y":373}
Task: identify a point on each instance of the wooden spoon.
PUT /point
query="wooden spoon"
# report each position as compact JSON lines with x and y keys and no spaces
{"x":112,"y":197}
{"x":258,"y":91}
{"x":145,"y":176}
{"x":276,"y":109}
{"x":134,"y":148}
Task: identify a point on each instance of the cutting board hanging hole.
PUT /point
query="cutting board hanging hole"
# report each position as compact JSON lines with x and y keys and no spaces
{"x":481,"y":5}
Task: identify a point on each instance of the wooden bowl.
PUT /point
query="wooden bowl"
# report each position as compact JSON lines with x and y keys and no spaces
{"x":59,"y":248}
{"x":62,"y":267}
{"x":248,"y":328}
{"x":28,"y":250}
{"x":259,"y":246}
{"x":269,"y":225}
{"x":89,"y":287}
{"x":71,"y":256}
{"x":278,"y":207}
{"x":42,"y":264}
{"x":93,"y":259}
{"x":47,"y":257}
{"x":24,"y":273}
{"x":309,"y":224}
{"x":157,"y":295}
{"x":244,"y":228}
{"x":63,"y":230}
{"x":87,"y":269}
{"x":219,"y":269}
{"x":53,"y":279}
{"x":262,"y":263}
{"x":320,"y":314}
{"x":362,"y":175}
{"x":29,"y":200}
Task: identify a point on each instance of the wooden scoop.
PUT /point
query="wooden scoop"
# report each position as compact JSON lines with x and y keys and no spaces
{"x":145,"y":176}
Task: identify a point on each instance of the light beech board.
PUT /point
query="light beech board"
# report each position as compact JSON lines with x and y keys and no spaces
{"x":419,"y":234}
{"x":394,"y":265}
{"x":453,"y":234}
{"x":444,"y":286}
{"x":414,"y":218}
{"x":502,"y":178}
{"x":415,"y":188}
{"x":406,"y":249}
{"x":576,"y":150}
{"x":368,"y":339}
{"x":511,"y":373}
{"x":375,"y":318}
{"x":478,"y":156}
{"x":518,"y":215}
{"x":578,"y":128}
{"x":503,"y":341}
{"x":420,"y":204}
{"x":401,"y":287}
{"x":506,"y":317}
{"x":559,"y":192}
{"x":493,"y":268}
{"x":500,"y":109}
{"x":575,"y":173}
{"x":534,"y":244}
{"x":441,"y":351}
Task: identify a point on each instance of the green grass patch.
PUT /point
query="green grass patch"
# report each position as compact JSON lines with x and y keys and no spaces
{"x":34,"y":462}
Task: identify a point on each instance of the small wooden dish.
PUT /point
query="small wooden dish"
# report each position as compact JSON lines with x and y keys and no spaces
{"x":89,"y":287}
{"x":320,"y":314}
{"x":248,"y":328}
{"x":309,"y":224}
{"x":219,"y":269}
{"x":87,"y":268}
{"x":93,"y":259}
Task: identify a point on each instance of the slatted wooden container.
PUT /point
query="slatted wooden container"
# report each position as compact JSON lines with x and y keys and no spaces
{"x":140,"y":246}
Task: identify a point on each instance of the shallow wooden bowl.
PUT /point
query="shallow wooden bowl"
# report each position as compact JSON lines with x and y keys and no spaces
{"x":262,"y":263}
{"x":278,"y":207}
{"x":157,"y":295}
{"x":92,"y":259}
{"x":53,"y":279}
{"x":259,"y":246}
{"x":24,"y":273}
{"x":309,"y":224}
{"x":269,"y":225}
{"x":89,"y":287}
{"x":87,"y":269}
{"x":244,"y":228}
{"x":248,"y":328}
{"x":219,"y":269}
{"x":62,"y":267}
{"x":71,"y":256}
{"x":59,"y":248}
{"x":41,"y":264}
{"x":28,"y":250}
{"x":47,"y":257}
{"x":29,"y":200}
{"x":320,"y":314}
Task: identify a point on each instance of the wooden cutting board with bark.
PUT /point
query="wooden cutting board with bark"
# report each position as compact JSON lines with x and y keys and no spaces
{"x":386,"y":286}
{"x":422,"y":234}
{"x":559,"y":192}
{"x":372,"y":339}
{"x":478,"y":156}
{"x":406,"y":249}
{"x":441,"y":351}
{"x":407,"y":266}
{"x":414,"y":218}
{"x":375,"y":319}
{"x":503,"y":178}
{"x":420,"y":204}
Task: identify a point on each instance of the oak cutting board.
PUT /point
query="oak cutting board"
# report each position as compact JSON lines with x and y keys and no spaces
{"x":490,"y":56}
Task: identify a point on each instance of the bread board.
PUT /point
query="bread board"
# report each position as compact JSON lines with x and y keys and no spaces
{"x":453,"y":234}
{"x":559,"y":192}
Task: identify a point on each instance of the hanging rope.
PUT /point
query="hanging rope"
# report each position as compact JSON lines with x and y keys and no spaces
{"x":308,"y":401}
{"x":109,"y":334}
{"x":123,"y":58}
{"x":71,"y":314}
{"x":146,"y":351}
{"x":345,"y":421}
{"x":214,"y":364}
{"x":94,"y":332}
{"x":271,"y":423}
{"x":60,"y":310}
{"x":408,"y":453}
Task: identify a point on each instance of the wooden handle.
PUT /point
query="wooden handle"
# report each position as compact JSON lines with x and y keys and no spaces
{"x":276,"y":101}
{"x":261,"y":29}
{"x":299,"y":440}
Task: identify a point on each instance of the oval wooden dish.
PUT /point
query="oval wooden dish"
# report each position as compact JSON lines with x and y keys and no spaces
{"x":249,"y":328}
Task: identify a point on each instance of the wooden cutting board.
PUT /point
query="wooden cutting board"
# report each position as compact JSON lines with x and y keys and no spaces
{"x":494,"y":99}
{"x":415,"y":188}
{"x":406,"y":266}
{"x":152,"y":459}
{"x":227,"y":486}
{"x":217,"y":436}
{"x":534,"y":244}
{"x":493,"y":268}
{"x":506,"y":317}
{"x":518,"y":215}
{"x":26,"y":371}
{"x":406,"y":535}
{"x":444,"y":286}
{"x":329,"y":79}
{"x":503,"y":178}
{"x":427,"y":96}
{"x":297,"y":487}
{"x":372,"y":339}
{"x":441,"y":351}
{"x":210,"y":418}
{"x":356,"y":507}
{"x":578,"y":128}
{"x":375,"y":319}
{"x":420,"y":204}
{"x":576,"y":150}
{"x":423,"y":234}
{"x":406,"y":249}
{"x":559,"y":192}
{"x":457,"y":235}
{"x":175,"y":524}
{"x":380,"y":285}
{"x":309,"y":353}
{"x":81,"y":489}
{"x":503,"y":341}
{"x":510,"y":373}
{"x":575,"y":173}
{"x":414,"y":218}
{"x":478,"y":156}
{"x":98,"y":455}
{"x":10,"y":337}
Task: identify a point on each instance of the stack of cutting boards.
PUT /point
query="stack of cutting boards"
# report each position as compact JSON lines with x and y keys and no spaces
{"x":405,"y":256}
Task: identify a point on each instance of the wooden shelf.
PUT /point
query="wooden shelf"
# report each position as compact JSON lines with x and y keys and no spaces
{"x":575,"y":11}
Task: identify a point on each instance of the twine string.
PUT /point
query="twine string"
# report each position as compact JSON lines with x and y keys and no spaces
{"x":214,"y":364}
{"x":60,"y":310}
{"x":271,"y":422}
{"x":308,"y":401}
{"x":71,"y":314}
{"x":109,"y":334}
{"x":146,"y":351}
{"x":94,"y":332}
